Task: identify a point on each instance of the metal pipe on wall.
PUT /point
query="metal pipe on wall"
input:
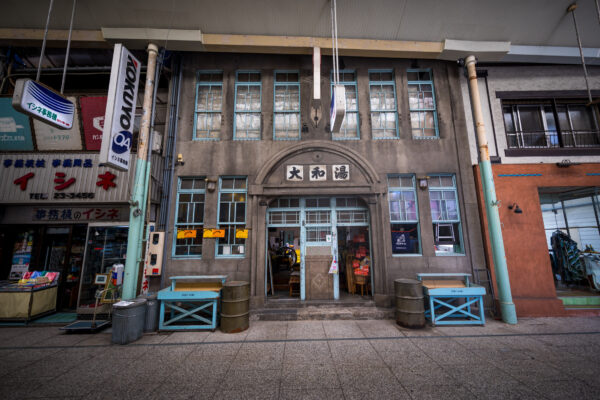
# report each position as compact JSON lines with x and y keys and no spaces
{"x":169,"y":170}
{"x":137,"y":209}
{"x":507,"y":307}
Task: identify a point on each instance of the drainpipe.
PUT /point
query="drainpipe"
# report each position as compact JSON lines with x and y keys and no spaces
{"x":140,"y":186}
{"x":507,"y":307}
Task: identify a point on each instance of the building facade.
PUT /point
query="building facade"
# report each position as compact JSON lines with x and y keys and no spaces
{"x":62,"y":210}
{"x":394,"y":186}
{"x":544,"y":141}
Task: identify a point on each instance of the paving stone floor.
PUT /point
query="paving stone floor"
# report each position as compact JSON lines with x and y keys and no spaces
{"x":540,"y":358}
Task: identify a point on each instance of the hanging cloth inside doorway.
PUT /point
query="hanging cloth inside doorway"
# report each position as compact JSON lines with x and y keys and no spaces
{"x":334,"y":269}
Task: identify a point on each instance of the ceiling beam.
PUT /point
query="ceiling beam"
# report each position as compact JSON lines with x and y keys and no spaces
{"x":56,"y":38}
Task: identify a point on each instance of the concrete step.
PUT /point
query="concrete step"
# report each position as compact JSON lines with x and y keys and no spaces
{"x":571,"y":301}
{"x":328,"y":312}
{"x":297,"y":303}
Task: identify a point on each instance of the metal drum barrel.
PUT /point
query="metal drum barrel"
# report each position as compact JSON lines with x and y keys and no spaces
{"x":235,"y":306}
{"x":410,"y":306}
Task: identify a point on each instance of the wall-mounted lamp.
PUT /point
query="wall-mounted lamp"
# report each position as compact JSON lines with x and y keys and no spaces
{"x":211,"y":184}
{"x":423,"y":182}
{"x":179,"y":159}
{"x":566,"y":163}
{"x":516,"y":208}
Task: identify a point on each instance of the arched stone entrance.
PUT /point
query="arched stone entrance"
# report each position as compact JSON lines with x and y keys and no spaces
{"x":293,"y":172}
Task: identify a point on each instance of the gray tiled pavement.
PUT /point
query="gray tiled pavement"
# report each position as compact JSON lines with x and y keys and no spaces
{"x":545,"y":358}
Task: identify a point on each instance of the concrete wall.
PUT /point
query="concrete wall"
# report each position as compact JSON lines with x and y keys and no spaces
{"x":522,"y":78}
{"x":262,"y":161}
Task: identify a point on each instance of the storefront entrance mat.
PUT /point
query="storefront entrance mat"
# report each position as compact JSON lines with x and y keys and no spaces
{"x":57,"y":318}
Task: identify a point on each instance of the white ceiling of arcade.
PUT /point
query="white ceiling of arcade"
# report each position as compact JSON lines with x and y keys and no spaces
{"x":409,"y":28}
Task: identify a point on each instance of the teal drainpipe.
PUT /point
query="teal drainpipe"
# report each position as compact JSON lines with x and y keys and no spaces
{"x":507,"y":307}
{"x":137,"y":212}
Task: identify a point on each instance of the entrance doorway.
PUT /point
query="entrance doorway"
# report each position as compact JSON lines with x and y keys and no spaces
{"x":572,"y":225}
{"x":303,"y":236}
{"x":62,"y":251}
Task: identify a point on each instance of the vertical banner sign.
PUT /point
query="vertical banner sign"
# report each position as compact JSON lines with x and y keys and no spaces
{"x":48,"y":137}
{"x":92,"y":117}
{"x":15,"y":133}
{"x":117,"y":135}
{"x":337,"y":111}
{"x":42,"y":103}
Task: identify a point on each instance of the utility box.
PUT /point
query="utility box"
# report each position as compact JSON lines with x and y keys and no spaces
{"x":154,"y":258}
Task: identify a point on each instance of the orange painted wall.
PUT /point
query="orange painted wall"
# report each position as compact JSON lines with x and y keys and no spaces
{"x":529,"y":267}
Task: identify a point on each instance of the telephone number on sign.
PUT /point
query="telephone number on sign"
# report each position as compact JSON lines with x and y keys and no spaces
{"x":59,"y":196}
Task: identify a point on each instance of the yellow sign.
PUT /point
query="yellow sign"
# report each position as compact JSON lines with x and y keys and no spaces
{"x":214,"y":233}
{"x":241,"y":233}
{"x":186,"y":234}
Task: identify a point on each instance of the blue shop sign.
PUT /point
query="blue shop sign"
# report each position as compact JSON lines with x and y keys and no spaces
{"x":15,"y":132}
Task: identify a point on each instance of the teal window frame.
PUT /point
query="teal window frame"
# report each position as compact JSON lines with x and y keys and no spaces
{"x":447,"y":220}
{"x":394,"y":111}
{"x":232,"y":225}
{"x":420,"y":83}
{"x":412,"y":189}
{"x":343,"y":133}
{"x":318,"y":226}
{"x":287,"y":85}
{"x":199,"y":226}
{"x":339,"y":208}
{"x":209,"y":112}
{"x":251,"y":111}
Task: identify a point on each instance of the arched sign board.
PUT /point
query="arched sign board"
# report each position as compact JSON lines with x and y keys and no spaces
{"x":42,"y":103}
{"x":117,"y":134}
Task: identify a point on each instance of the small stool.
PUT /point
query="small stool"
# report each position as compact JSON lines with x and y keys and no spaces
{"x":363,"y":282}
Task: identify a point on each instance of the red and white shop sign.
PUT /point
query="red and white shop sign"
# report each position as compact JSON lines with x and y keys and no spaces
{"x":92,"y":115}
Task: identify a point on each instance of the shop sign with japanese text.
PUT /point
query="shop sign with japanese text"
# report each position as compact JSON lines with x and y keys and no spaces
{"x":80,"y":214}
{"x":117,"y":135}
{"x":15,"y":133}
{"x":42,"y":103}
{"x":48,"y":137}
{"x":92,"y":117}
{"x":339,"y":172}
{"x":63,"y":178}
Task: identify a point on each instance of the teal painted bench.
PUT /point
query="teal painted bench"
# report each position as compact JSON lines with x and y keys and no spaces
{"x":190,"y":302}
{"x":450,"y":300}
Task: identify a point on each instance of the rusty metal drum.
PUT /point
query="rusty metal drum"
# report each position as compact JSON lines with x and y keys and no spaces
{"x":235,"y":306}
{"x":410,"y":306}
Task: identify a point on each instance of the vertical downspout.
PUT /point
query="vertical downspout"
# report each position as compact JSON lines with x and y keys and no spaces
{"x":148,"y":178}
{"x":169,"y":170}
{"x":507,"y":307}
{"x":140,"y":186}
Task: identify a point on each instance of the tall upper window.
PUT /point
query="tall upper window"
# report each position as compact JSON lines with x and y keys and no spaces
{"x":404,"y":214}
{"x":443,"y":200}
{"x":421,"y":102}
{"x":189,"y":222}
{"x":232,"y":216}
{"x":209,"y":104}
{"x":532,"y":124}
{"x":248,"y":105}
{"x":350,"y":125}
{"x":286,"y":108}
{"x":384,"y":109}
